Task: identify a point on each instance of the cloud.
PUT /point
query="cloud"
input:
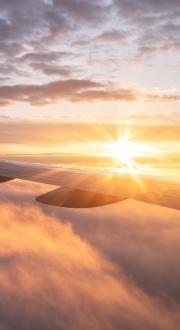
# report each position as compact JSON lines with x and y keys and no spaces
{"x":86,"y":269}
{"x":69,"y":90}
{"x":85,"y":10}
{"x":43,"y":36}
{"x":55,"y":137}
{"x":104,"y":96}
{"x":44,"y":94}
{"x":145,"y":52}
{"x":19,"y":20}
{"x":112,"y":36}
{"x":134,"y":227}
{"x":47,"y":62}
{"x":53,"y":70}
{"x":167,"y":97}
{"x":154,"y":23}
{"x":33,"y":30}
{"x":48,"y":56}
{"x":76,"y":90}
{"x":35,"y":21}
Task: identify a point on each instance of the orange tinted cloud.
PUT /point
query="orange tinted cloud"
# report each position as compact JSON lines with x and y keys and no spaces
{"x":53,"y":133}
{"x":74,"y":90}
{"x":69,"y":90}
{"x":103,"y":268}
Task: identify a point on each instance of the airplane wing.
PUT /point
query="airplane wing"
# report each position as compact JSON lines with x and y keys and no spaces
{"x":80,"y":188}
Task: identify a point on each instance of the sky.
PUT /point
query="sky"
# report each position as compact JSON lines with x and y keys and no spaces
{"x":76,"y":61}
{"x":89,"y":60}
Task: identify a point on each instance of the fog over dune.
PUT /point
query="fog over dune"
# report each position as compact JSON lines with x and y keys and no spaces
{"x":106,"y":268}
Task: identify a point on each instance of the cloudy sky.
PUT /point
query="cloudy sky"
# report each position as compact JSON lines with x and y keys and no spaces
{"x":89,"y":60}
{"x":108,"y":61}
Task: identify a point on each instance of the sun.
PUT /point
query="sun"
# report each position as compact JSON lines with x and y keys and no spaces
{"x":122,"y":151}
{"x":126,"y":151}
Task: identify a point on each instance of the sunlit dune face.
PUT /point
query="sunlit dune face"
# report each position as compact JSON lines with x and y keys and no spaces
{"x":126,"y":152}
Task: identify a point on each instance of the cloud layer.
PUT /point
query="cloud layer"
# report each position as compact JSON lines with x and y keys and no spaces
{"x":78,"y":91}
{"x":87,"y":269}
{"x":51,"y":134}
{"x":58,"y":42}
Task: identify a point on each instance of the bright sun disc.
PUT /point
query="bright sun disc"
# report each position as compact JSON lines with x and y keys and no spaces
{"x":126,"y":151}
{"x":122,"y":151}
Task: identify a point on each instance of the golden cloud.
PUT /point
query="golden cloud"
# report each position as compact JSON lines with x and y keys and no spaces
{"x":59,"y":271}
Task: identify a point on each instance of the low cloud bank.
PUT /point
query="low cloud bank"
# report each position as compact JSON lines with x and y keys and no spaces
{"x":107,"y":268}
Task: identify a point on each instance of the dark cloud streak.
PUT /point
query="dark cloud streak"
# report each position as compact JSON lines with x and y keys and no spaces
{"x":74,"y":90}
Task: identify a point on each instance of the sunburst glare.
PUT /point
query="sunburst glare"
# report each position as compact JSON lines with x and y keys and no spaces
{"x":126,"y":152}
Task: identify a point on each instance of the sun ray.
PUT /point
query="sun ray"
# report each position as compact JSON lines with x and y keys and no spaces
{"x":126,"y":152}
